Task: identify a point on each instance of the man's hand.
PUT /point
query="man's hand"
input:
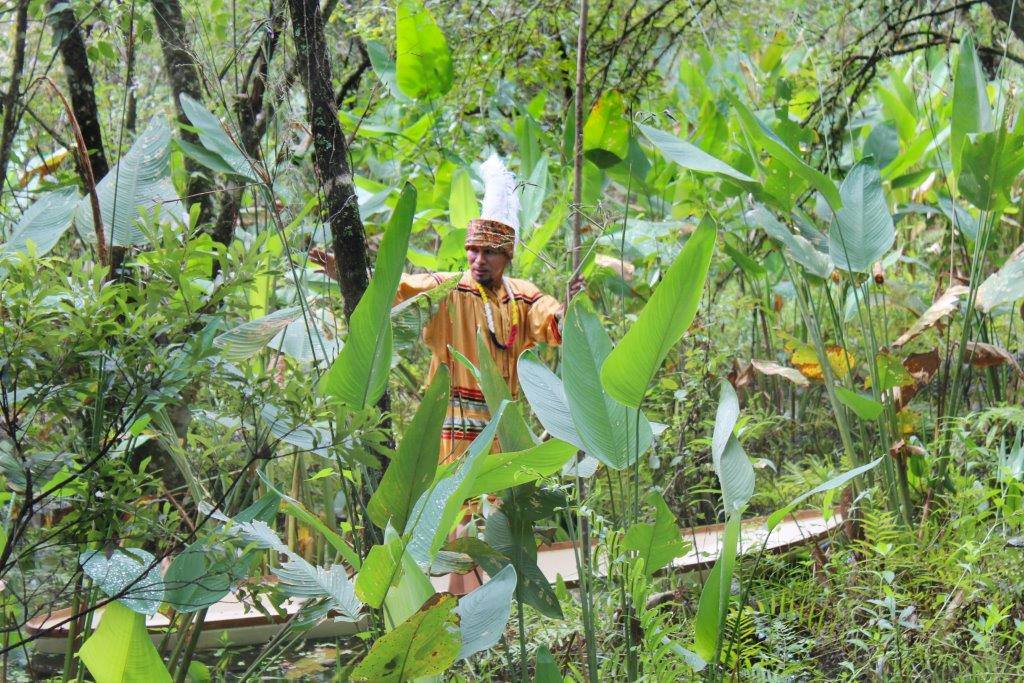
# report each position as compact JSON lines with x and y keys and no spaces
{"x":325,"y":260}
{"x":576,"y":286}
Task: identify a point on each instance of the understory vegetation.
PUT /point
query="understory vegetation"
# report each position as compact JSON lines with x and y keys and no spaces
{"x":800,"y":229}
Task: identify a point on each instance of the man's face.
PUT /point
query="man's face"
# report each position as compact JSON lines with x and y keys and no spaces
{"x":486,"y":264}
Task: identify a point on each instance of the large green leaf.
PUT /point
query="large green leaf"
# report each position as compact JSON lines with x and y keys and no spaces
{"x":462,"y":204}
{"x":44,"y":223}
{"x":514,"y":433}
{"x":992,"y":163}
{"x":141,"y":180}
{"x":216,"y":139}
{"x":248,"y":339}
{"x":434,"y":513}
{"x":408,"y":594}
{"x":1005,"y":285}
{"x":120,"y":650}
{"x":547,"y":669}
{"x":865,"y":407}
{"x":384,"y":66}
{"x":863,"y":231}
{"x":735,"y":473}
{"x":192,"y":583}
{"x":500,"y":471}
{"x":630,"y":367}
{"x":358,"y":377}
{"x":415,"y":462}
{"x":606,"y":131}
{"x":546,"y":395}
{"x":423,"y":63}
{"x":800,"y":249}
{"x":131,"y":575}
{"x":426,"y":644}
{"x":765,"y":138}
{"x":381,"y":570}
{"x":309,"y":338}
{"x":690,"y":156}
{"x":510,"y":532}
{"x":659,"y":543}
{"x":971,"y":110}
{"x":484,"y":613}
{"x":609,"y":430}
{"x":714,"y":598}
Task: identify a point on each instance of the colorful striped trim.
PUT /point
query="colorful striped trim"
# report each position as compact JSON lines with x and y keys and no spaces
{"x":518,"y":295}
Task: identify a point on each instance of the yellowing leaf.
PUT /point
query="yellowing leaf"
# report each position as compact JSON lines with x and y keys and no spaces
{"x":805,"y":360}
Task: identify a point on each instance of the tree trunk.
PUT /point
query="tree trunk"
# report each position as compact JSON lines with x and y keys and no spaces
{"x":10,"y":102}
{"x":68,"y":36}
{"x":330,"y":151}
{"x":184,"y":78}
{"x":252,"y":119}
{"x":1005,"y":10}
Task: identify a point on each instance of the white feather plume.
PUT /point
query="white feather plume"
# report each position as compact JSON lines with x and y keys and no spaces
{"x":501,"y":203}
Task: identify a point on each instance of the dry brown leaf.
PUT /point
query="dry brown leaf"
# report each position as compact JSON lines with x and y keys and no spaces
{"x":741,"y":374}
{"x":942,"y":307}
{"x":768,"y":367}
{"x":922,"y":367}
{"x":982,"y":355}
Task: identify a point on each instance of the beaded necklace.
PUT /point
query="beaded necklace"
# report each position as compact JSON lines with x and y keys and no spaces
{"x":489,"y":314}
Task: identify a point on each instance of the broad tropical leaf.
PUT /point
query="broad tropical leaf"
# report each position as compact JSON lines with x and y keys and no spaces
{"x":216,"y":139}
{"x":1005,"y":285}
{"x":141,"y":180}
{"x":863,"y":231}
{"x":659,"y":543}
{"x":800,"y":248}
{"x":764,"y":137}
{"x":381,"y":569}
{"x":609,"y":430}
{"x":628,"y":370}
{"x":689,"y":156}
{"x":546,"y":395}
{"x":426,"y":644}
{"x":44,"y":223}
{"x":943,"y":306}
{"x":484,"y":613}
{"x":971,"y":111}
{"x":514,"y":433}
{"x":500,"y":471}
{"x":248,"y":339}
{"x":423,"y":63}
{"x":434,"y":513}
{"x":358,"y":377}
{"x":714,"y":598}
{"x":865,"y":407}
{"x":606,"y":131}
{"x":132,"y":575}
{"x":735,"y":473}
{"x":120,"y":650}
{"x":412,"y":468}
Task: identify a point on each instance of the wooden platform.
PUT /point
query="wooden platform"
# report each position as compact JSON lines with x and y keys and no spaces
{"x":244,"y":624}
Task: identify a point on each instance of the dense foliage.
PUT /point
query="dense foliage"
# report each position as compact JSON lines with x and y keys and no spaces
{"x":800,"y":230}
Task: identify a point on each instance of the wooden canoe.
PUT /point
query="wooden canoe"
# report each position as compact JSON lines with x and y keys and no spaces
{"x":243,"y":624}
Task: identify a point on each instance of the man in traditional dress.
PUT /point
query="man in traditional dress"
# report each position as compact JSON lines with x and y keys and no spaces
{"x":511,"y":314}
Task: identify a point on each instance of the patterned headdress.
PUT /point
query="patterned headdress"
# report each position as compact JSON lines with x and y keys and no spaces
{"x":498,"y":224}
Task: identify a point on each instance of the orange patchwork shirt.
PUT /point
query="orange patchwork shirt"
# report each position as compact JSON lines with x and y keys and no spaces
{"x":455,"y":324}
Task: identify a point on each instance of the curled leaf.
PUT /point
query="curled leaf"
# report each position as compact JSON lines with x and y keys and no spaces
{"x":768,"y":367}
{"x":942,"y":307}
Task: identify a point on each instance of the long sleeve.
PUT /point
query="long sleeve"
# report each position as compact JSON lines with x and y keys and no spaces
{"x":412,"y":284}
{"x":542,"y":320}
